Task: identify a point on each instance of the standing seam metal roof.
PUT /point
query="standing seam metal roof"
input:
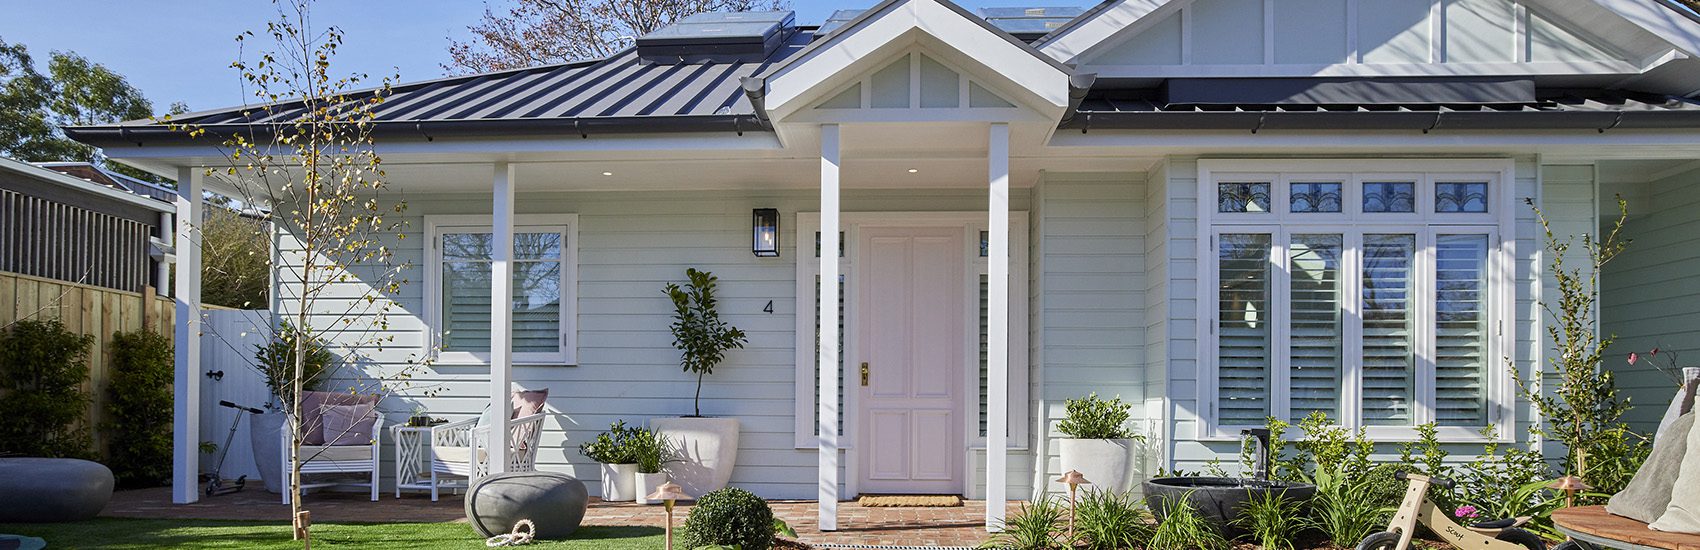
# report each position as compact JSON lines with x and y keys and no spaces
{"x":616,"y":87}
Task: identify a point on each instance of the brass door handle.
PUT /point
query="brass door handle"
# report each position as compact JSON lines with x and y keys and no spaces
{"x":864,"y":374}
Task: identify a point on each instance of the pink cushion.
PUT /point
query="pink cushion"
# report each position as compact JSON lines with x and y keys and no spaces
{"x":529,"y":402}
{"x":312,"y":422}
{"x":348,"y":424}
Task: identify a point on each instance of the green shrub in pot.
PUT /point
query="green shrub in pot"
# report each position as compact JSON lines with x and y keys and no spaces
{"x":1099,"y":442}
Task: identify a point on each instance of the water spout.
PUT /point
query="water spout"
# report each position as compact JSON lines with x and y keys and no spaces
{"x":1260,"y":465}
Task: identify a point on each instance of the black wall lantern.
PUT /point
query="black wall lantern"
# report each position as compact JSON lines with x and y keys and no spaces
{"x":765,"y":224}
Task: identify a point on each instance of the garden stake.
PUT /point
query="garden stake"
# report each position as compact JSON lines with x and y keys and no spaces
{"x":667,"y":493}
{"x":1074,"y":479}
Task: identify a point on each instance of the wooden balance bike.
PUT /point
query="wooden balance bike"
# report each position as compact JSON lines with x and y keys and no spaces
{"x":1504,"y":534}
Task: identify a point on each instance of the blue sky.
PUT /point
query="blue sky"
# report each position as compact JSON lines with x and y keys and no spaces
{"x":181,"y":50}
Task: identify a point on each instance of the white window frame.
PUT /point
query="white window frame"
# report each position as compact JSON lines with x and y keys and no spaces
{"x":808,"y":267}
{"x":437,"y":225}
{"x":1499,"y":223}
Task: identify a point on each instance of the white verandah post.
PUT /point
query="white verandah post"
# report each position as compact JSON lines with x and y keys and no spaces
{"x":186,"y":386}
{"x":828,"y":337}
{"x":997,"y":325}
{"x":501,"y":312}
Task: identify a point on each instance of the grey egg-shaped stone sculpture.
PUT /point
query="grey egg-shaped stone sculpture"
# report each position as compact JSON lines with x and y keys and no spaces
{"x":41,"y":490}
{"x":555,"y":503}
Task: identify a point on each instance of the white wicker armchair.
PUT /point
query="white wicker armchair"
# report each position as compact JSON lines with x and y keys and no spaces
{"x":460,"y":449}
{"x":336,"y":459}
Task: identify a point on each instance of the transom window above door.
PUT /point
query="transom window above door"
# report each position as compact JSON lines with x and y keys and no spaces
{"x":1378,"y":295}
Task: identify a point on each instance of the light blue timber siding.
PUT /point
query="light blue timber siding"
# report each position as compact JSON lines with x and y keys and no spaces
{"x":1090,"y":258}
{"x":631,"y":244}
{"x":1187,"y":451}
{"x":1651,"y":294}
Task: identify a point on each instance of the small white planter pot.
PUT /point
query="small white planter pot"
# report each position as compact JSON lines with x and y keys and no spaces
{"x":1107,"y":463}
{"x":706,"y":450}
{"x":647,"y":484}
{"x":619,"y":482}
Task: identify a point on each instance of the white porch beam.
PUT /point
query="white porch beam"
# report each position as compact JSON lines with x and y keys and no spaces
{"x":997,"y":326}
{"x":828,"y":296}
{"x":501,"y":311}
{"x":186,"y":385}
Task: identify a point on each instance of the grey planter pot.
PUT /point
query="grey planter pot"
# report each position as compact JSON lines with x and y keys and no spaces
{"x":1219,"y":500}
{"x":265,"y":433}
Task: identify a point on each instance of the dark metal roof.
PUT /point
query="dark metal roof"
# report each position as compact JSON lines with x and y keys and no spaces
{"x":1552,"y":109}
{"x":622,"y":93}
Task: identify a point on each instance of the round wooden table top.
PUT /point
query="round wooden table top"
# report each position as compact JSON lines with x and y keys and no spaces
{"x":1593,"y":524}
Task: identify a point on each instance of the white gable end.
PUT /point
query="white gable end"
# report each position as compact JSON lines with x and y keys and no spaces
{"x":1182,"y":38}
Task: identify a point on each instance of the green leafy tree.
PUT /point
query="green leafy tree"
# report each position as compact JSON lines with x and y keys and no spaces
{"x":1584,"y":411}
{"x":138,"y":409}
{"x":541,"y":32}
{"x":235,"y":259}
{"x":74,"y":92}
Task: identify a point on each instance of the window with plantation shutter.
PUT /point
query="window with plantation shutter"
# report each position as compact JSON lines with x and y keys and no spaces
{"x":461,"y":297}
{"x":1243,"y":364}
{"x":1315,"y":327}
{"x":1377,"y":297}
{"x":1389,"y":350}
{"x":1461,"y":329}
{"x":840,"y":352}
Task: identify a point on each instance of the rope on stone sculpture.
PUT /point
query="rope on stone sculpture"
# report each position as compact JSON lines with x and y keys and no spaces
{"x":523,"y":533}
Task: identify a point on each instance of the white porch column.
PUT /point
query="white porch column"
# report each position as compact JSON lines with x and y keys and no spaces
{"x":186,"y":386}
{"x":501,"y":311}
{"x":997,"y":326}
{"x":828,"y":337}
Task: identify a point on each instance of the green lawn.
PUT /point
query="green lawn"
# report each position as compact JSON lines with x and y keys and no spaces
{"x":208,"y":534}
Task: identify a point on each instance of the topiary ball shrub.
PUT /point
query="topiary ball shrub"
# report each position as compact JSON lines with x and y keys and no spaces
{"x":728,"y":517}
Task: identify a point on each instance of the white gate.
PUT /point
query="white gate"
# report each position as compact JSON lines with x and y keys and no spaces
{"x":228,"y":338}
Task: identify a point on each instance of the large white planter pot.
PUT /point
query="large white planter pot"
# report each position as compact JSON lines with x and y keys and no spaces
{"x":1107,"y":463}
{"x":265,"y":434}
{"x":619,"y":483}
{"x":706,"y":451}
{"x":647,"y":484}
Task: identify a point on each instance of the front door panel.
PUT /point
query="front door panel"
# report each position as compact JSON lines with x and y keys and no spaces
{"x":912,"y":336}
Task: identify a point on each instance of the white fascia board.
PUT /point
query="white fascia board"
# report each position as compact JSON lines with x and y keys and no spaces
{"x":1673,"y":27}
{"x":822,"y":69}
{"x":1103,"y":26}
{"x":1612,"y":144}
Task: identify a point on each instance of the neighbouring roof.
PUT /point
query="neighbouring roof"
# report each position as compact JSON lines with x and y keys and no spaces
{"x":80,"y":187}
{"x":96,"y":174}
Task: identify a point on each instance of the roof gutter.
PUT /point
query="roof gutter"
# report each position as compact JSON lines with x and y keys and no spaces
{"x":1424,"y":121}
{"x":755,"y":88}
{"x":1078,"y":85}
{"x":430,"y":130}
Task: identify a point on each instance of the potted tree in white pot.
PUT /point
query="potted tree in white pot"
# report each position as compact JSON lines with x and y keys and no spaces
{"x":706,"y":448}
{"x":615,"y":450}
{"x":1099,"y":443}
{"x":276,"y":361}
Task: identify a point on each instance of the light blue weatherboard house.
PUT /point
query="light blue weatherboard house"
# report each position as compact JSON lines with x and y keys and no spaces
{"x":1219,"y":210}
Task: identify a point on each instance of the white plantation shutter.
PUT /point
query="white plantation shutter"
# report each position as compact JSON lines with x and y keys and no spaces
{"x":1243,"y":328}
{"x":1314,"y":324}
{"x":985,"y":318}
{"x":842,"y":389}
{"x":537,"y":291}
{"x":1461,"y":330}
{"x":1389,"y":352}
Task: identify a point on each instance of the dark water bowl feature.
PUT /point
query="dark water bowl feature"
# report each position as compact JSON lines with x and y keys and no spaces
{"x":1219,"y":500}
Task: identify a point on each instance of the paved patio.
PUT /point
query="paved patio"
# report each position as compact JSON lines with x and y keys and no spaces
{"x":960,"y":526}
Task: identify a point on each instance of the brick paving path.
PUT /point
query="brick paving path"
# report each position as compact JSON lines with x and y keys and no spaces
{"x":960,"y":526}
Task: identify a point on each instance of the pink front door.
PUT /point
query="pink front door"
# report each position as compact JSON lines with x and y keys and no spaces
{"x":911,"y":327}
